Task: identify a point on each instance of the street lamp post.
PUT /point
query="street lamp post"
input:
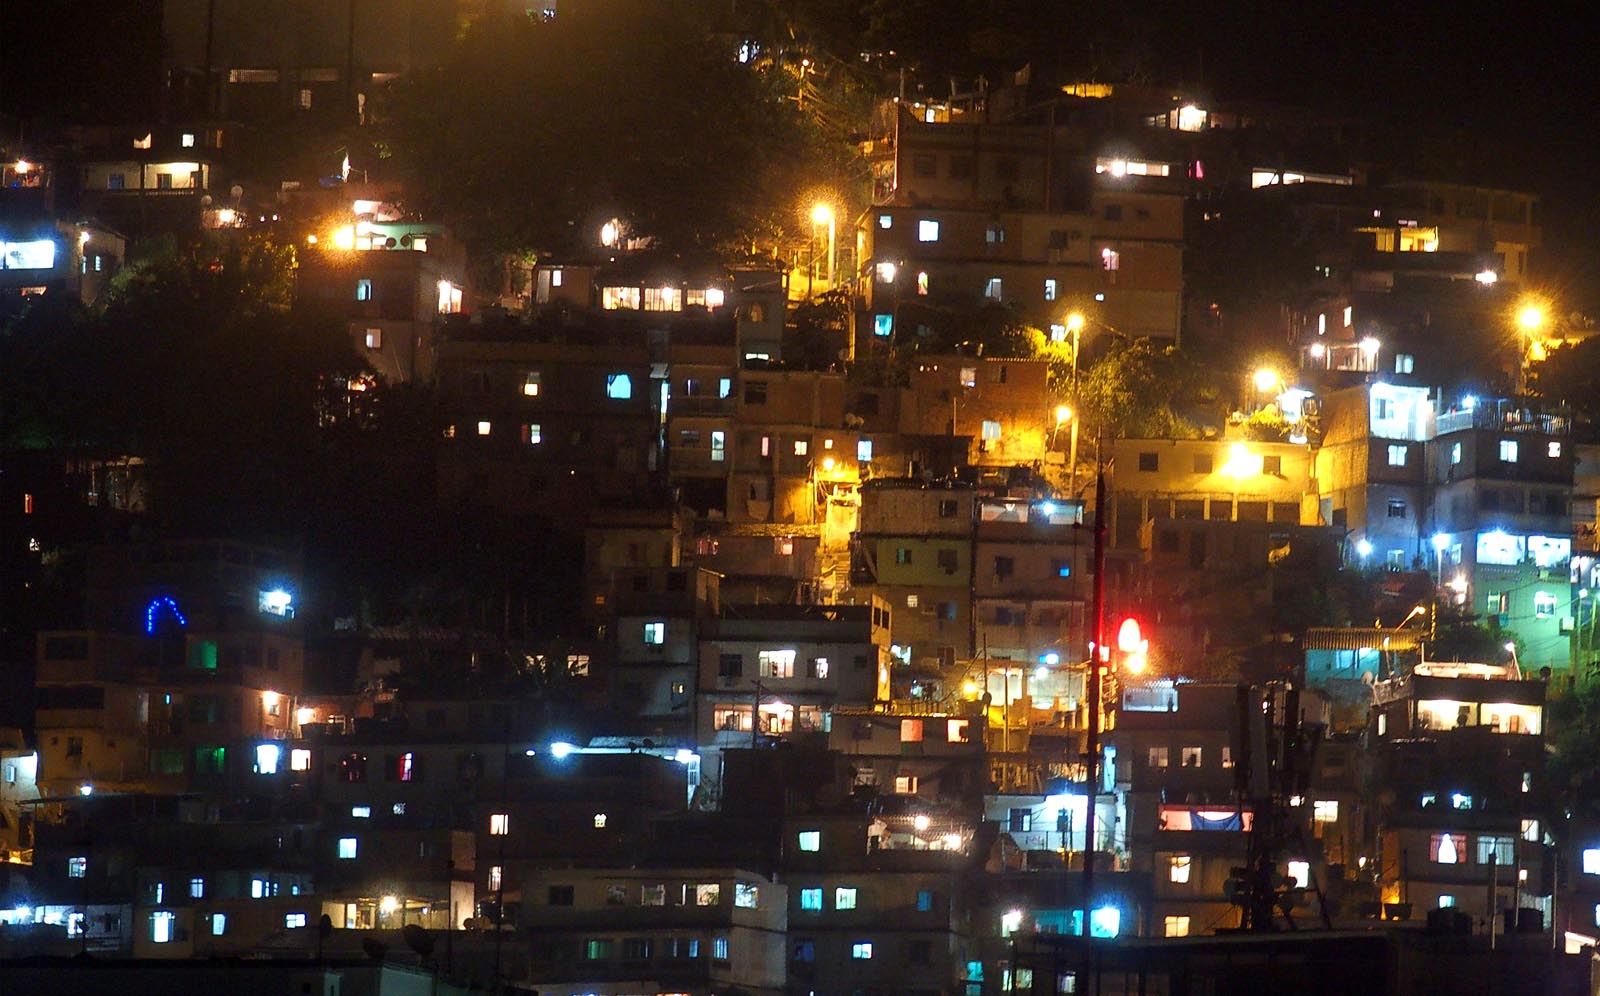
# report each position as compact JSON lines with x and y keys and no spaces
{"x":1075,"y":326}
{"x":822,"y":214}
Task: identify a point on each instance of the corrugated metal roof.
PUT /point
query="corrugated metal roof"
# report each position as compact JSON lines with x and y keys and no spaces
{"x":1361,"y":638}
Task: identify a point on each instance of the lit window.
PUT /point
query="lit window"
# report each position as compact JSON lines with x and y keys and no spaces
{"x":619,"y":386}
{"x":1050,"y":290}
{"x":197,"y":888}
{"x":910,"y":731}
{"x":599,"y":821}
{"x":719,"y":446}
{"x":259,"y":888}
{"x":1554,"y":450}
{"x":905,"y":784}
{"x":496,"y":877}
{"x":882,"y":325}
{"x":1591,"y":861}
{"x":1322,"y":324}
{"x":407,"y":767}
{"x":555,"y":278}
{"x":374,"y":338}
{"x":1325,"y":811}
{"x":499,"y":824}
{"x":484,"y":428}
{"x":187,"y":141}
{"x":364,"y":289}
{"x":777,"y":663}
{"x":531,"y":384}
{"x":219,"y":924}
{"x":161,"y":926}
{"x":1544,"y":605}
{"x":927,"y":230}
{"x":844,"y":898}
{"x":969,"y":376}
{"x":655,"y":633}
{"x":957,"y":731}
{"x":991,"y":430}
{"x":532,"y":434}
{"x":1455,"y":453}
{"x":810,"y":840}
{"x":994,"y":289}
{"x":864,"y":450}
{"x":77,"y":867}
{"x":1448,"y":849}
{"x":1300,"y":872}
{"x":746,"y":896}
{"x":398,"y":809}
{"x":1177,"y":926}
{"x":913,"y":600}
{"x":885,"y":221}
{"x":861,"y":950}
{"x":1349,"y":318}
{"x":1404,"y":363}
{"x":922,"y":283}
{"x":1157,"y":757}
{"x":811,"y":899}
{"x":347,"y":848}
{"x":267,"y":758}
{"x":801,"y":447}
{"x":719,"y":948}
{"x":360,"y":812}
{"x":1110,"y":259}
{"x":724,"y":387}
{"x":1447,"y":902}
{"x":1508,"y":450}
{"x":1178,"y":868}
{"x":293,"y":920}
{"x":1397,"y":456}
{"x":707,"y":894}
{"x":300,"y":759}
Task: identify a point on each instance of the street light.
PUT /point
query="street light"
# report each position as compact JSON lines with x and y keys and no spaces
{"x":822,"y":214}
{"x":1530,"y":317}
{"x":1266,"y":379}
{"x":1440,"y":541}
{"x":1063,"y":415}
{"x":1075,"y":323}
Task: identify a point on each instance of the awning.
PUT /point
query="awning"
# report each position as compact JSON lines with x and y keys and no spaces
{"x":1362,"y":638}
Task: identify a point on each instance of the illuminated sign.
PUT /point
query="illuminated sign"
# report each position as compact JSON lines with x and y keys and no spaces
{"x":39,"y":254}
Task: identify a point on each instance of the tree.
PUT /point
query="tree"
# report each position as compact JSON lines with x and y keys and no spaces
{"x":534,"y":133}
{"x":1132,"y":392}
{"x":816,"y":336}
{"x":1570,"y":375}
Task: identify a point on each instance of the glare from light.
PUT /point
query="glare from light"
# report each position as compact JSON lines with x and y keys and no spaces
{"x":1370,"y":346}
{"x":827,"y":463}
{"x":227,"y":216}
{"x":560,"y":749}
{"x":887,"y":272}
{"x":684,"y":755}
{"x":1063,"y":413}
{"x":83,"y":238}
{"x":821,"y":214}
{"x":1075,"y":322}
{"x":23,"y":166}
{"x":1051,"y":659}
{"x":311,"y":240}
{"x":388,"y":904}
{"x":344,"y":238}
{"x":1530,"y":317}
{"x":1318,"y":350}
{"x":1511,"y":648}
{"x":305,"y":715}
{"x":1469,"y":402}
{"x":86,"y":789}
{"x":921,"y":822}
{"x":1048,"y":508}
{"x":609,"y":232}
{"x":1266,"y":379}
{"x":1040,"y":673}
{"x":952,"y":842}
{"x":1487,"y":277}
{"x":969,"y":688}
{"x":1364,"y":548}
{"x":1440,"y":541}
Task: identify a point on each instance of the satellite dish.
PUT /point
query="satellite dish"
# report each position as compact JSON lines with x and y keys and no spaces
{"x":237,"y":191}
{"x":375,"y":949}
{"x":417,"y":939}
{"x":205,"y":201}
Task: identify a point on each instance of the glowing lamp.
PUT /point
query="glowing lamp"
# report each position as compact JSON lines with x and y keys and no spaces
{"x":921,"y":822}
{"x":821,"y":214}
{"x":560,"y":749}
{"x":1318,"y":351}
{"x":1487,"y":277}
{"x":1370,"y":346}
{"x":1129,"y":638}
{"x":1075,"y":322}
{"x":1440,"y":541}
{"x":609,"y":233}
{"x":388,"y":904}
{"x":1530,"y":317}
{"x":344,"y":238}
{"x":1265,"y":379}
{"x":86,"y":789}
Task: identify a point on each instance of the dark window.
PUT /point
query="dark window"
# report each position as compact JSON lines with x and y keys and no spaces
{"x":1272,"y":465}
{"x":947,"y":508}
{"x":1006,"y":169}
{"x":960,"y":167}
{"x":1397,"y":508}
{"x":924,"y":165}
{"x":1488,"y":499}
{"x":947,"y":611}
{"x":948,"y":559}
{"x":1113,"y":212}
{"x":1060,"y":568}
{"x":805,"y":951}
{"x":730,"y":666}
{"x":919,"y":952}
{"x":1150,"y":462}
{"x":1203,"y":463}
{"x":1021,"y":820}
{"x":561,"y":895}
{"x":755,"y":392}
{"x":1003,"y":616}
{"x":678,"y":581}
{"x":1004,"y":567}
{"x":1167,"y":540}
{"x":902,"y":555}
{"x":1341,"y":517}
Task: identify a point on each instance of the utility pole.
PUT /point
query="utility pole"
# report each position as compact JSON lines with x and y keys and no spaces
{"x":1092,"y":694}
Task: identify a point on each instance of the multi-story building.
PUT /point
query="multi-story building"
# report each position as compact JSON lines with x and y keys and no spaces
{"x":990,"y":412}
{"x":1501,"y":481}
{"x":789,"y":666}
{"x":660,"y":618}
{"x":914,"y":550}
{"x":1457,"y":757}
{"x":392,"y":283}
{"x":621,"y":929}
{"x":190,"y":653}
{"x":1371,"y":471}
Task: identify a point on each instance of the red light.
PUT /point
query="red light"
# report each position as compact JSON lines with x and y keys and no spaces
{"x":1129,"y":638}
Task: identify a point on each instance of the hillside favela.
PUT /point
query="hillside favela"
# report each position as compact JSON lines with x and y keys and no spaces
{"x":795,"y":498}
